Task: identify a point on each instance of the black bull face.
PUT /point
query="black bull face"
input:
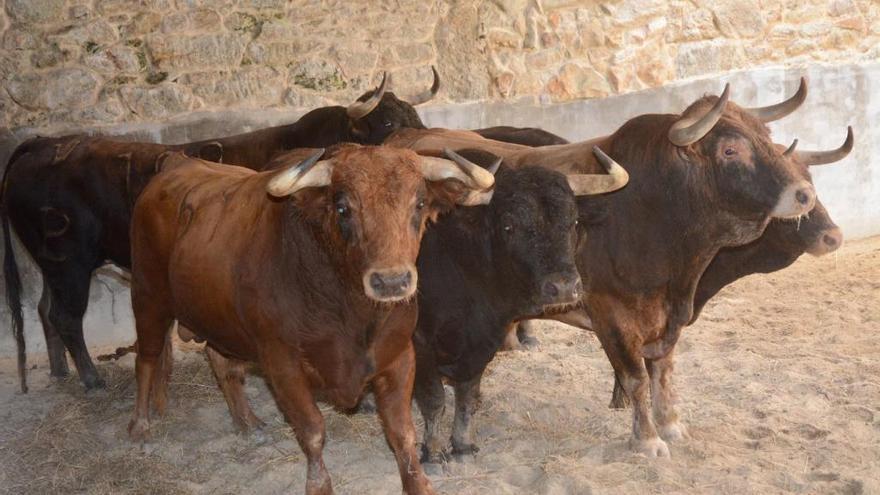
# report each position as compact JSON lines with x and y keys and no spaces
{"x":532,"y":220}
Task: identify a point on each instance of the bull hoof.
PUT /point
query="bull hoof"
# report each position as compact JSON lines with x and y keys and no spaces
{"x":529,"y":342}
{"x":139,"y":430}
{"x":59,"y":374}
{"x":619,"y":401}
{"x":433,"y":457}
{"x":652,"y":447}
{"x":94,"y":383}
{"x":673,"y":432}
{"x":258,"y":436}
{"x":466,"y":449}
{"x":367,"y":405}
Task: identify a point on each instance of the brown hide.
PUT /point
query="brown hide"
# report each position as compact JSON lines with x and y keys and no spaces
{"x":279,"y":281}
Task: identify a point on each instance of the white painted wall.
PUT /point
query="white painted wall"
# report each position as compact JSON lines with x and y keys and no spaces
{"x":838,"y":96}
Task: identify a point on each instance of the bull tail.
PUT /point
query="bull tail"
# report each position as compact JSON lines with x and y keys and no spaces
{"x":13,"y":280}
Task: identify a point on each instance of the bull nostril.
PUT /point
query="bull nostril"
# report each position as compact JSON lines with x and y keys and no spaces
{"x":802,"y":197}
{"x":830,"y":241}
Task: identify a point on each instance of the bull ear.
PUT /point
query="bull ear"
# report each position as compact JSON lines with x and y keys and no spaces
{"x":308,"y":173}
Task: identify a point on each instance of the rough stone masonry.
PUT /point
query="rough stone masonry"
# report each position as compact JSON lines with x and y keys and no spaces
{"x":66,"y":64}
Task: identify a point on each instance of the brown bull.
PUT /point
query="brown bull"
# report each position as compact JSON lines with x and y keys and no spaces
{"x":701,"y":181}
{"x":310,"y":271}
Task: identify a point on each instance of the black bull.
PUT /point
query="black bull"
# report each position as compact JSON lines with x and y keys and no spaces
{"x":69,"y":199}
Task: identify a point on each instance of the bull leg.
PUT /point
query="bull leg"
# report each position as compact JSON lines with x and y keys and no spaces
{"x":467,"y":400}
{"x":58,"y":367}
{"x":162,"y":375}
{"x":152,"y":329}
{"x":393,"y":389}
{"x":629,"y":365}
{"x":296,"y":401}
{"x":511,"y":340}
{"x":431,"y":399}
{"x":230,"y":375}
{"x":619,"y":400}
{"x":663,"y":399}
{"x":525,"y":332}
{"x":68,"y":300}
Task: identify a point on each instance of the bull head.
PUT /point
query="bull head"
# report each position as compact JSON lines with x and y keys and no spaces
{"x":372,"y":205}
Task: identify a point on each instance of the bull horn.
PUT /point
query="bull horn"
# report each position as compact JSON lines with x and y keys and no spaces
{"x":493,"y":169}
{"x":428,"y":94}
{"x":689,"y":130}
{"x":826,"y":157}
{"x":307,"y":173}
{"x":790,"y":149}
{"x":360,"y":109}
{"x":586,"y":184}
{"x":780,"y":110}
{"x":456,"y":167}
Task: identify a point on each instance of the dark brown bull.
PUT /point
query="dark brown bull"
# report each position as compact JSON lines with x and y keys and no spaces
{"x":69,"y":199}
{"x":701,"y":181}
{"x":311,"y":272}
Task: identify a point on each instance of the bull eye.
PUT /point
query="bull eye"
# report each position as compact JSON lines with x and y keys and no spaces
{"x":729,"y":152}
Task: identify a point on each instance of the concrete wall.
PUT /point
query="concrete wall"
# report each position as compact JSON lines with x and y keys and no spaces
{"x":839,"y":96}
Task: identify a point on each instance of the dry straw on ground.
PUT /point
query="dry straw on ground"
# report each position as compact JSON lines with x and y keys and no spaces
{"x":778,"y":383}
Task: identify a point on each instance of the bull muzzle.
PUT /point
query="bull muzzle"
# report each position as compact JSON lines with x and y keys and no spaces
{"x":561,"y":290}
{"x":391,"y":284}
{"x":828,"y":241}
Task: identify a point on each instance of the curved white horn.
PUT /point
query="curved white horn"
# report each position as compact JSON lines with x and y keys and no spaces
{"x":586,"y":184}
{"x":831,"y":156}
{"x":360,"y":109}
{"x":689,"y":130}
{"x":780,"y":110}
{"x":307,"y":173}
{"x":428,"y":94}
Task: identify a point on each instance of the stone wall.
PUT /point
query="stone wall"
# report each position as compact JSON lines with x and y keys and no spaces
{"x":66,"y":64}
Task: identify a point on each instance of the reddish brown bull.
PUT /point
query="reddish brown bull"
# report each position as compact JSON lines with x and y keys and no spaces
{"x":309,"y":271}
{"x":707,"y":179}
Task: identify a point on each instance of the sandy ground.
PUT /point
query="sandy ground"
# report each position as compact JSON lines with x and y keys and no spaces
{"x":779,"y":384}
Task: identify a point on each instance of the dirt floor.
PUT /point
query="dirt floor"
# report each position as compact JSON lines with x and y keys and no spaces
{"x":779,"y":384}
